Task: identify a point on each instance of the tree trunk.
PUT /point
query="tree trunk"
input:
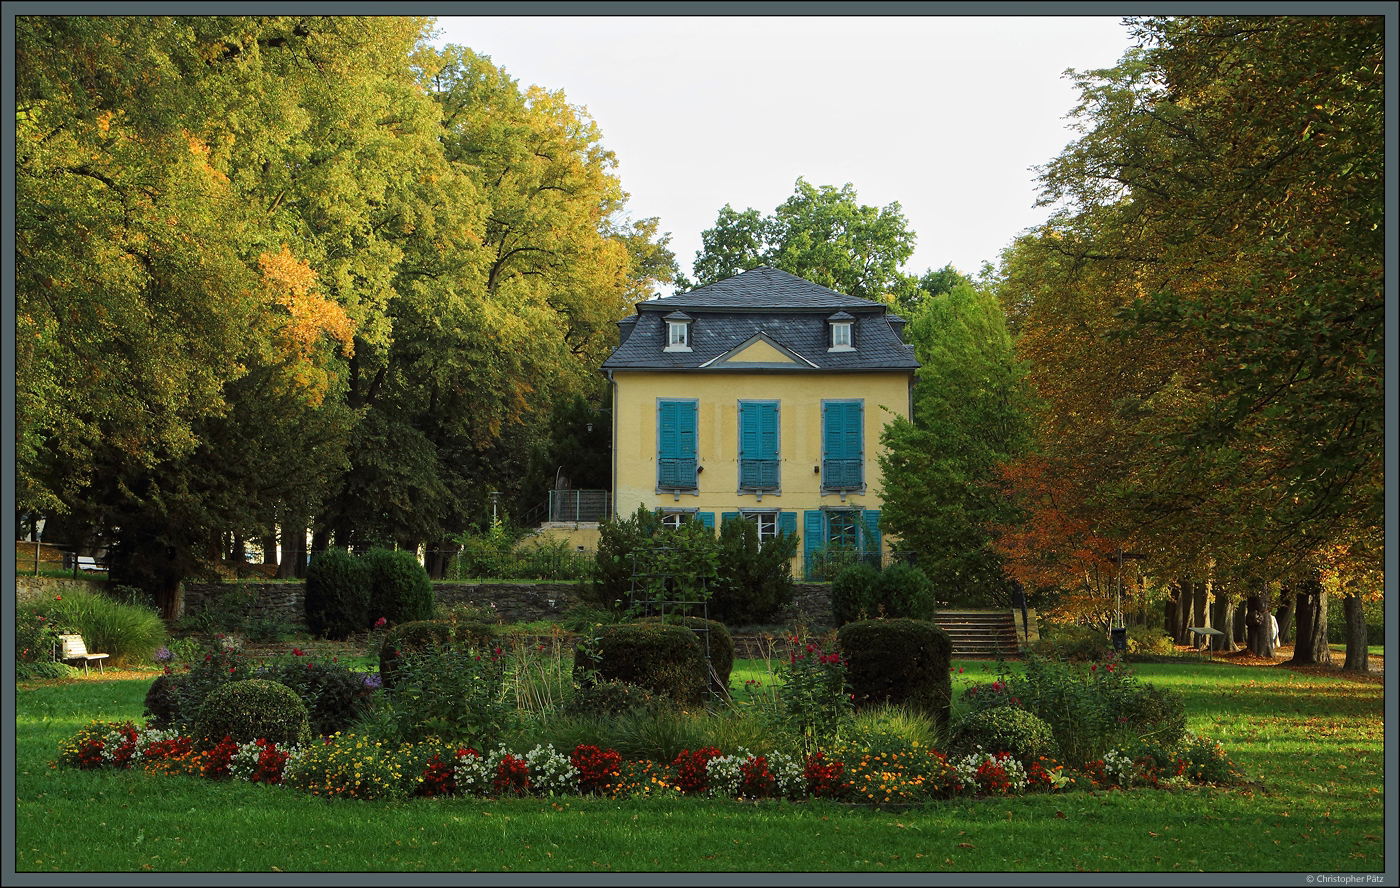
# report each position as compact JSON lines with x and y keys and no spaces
{"x":293,"y":550}
{"x":1238,"y":622}
{"x":1200,"y":611}
{"x":1310,"y":607}
{"x":1222,"y":617}
{"x":1184,"y":600}
{"x":1357,"y":658}
{"x":1169,"y":616}
{"x":1258,"y":629}
{"x":1284,"y":615}
{"x":269,"y":549}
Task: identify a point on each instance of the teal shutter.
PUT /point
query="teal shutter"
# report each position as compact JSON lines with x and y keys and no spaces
{"x":707,"y":519}
{"x":787,"y":523}
{"x":758,"y":445}
{"x":726,"y":517}
{"x":842,"y":453}
{"x":813,"y":537}
{"x":870,"y":522}
{"x":675,"y":444}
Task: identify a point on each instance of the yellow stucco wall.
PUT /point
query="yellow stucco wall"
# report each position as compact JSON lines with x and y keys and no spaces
{"x":799,"y":397}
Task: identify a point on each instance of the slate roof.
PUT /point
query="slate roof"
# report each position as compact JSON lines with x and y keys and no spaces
{"x":788,"y":310}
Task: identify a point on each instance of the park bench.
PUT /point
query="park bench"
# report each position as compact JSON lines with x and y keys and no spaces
{"x":87,"y":562}
{"x":71,"y":647}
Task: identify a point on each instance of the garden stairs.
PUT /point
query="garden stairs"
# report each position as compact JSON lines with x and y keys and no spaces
{"x":986,"y":633}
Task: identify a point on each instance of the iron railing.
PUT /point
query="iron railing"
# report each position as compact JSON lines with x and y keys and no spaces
{"x":579,"y":505}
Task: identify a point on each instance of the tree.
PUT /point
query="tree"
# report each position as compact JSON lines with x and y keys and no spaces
{"x":971,"y":414}
{"x":821,"y":234}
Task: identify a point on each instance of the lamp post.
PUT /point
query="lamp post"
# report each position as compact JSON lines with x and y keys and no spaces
{"x":495,"y":495}
{"x":38,"y":535}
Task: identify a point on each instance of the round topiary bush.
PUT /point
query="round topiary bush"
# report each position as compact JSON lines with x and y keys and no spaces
{"x":898,"y":661}
{"x":250,"y":710}
{"x":853,"y":594}
{"x":607,"y":699}
{"x":337,"y":594}
{"x":666,"y":661}
{"x":1004,"y":729}
{"x":400,"y":590}
{"x":721,"y":647}
{"x":903,"y":590}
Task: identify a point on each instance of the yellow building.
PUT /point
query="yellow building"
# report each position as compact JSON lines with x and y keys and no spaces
{"x":760,"y":396}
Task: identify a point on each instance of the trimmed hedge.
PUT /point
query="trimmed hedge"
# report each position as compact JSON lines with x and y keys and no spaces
{"x":337,"y":594}
{"x":1004,"y":729}
{"x":400,"y":590}
{"x":666,"y":661}
{"x":899,"y":662}
{"x":421,"y":634}
{"x":721,"y":647}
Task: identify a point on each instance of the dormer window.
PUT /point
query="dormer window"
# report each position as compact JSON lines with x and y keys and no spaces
{"x":842,"y":334}
{"x":677,"y":332}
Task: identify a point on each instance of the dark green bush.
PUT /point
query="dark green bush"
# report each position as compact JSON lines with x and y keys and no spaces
{"x":1155,"y":714}
{"x":335,"y":695}
{"x":1004,"y":729}
{"x":754,"y":585}
{"x":162,"y":704}
{"x":902,"y":590}
{"x":253,"y":709}
{"x":898,"y":662}
{"x":176,"y":701}
{"x":1079,"y":643}
{"x":423,"y":634}
{"x":1156,"y":642}
{"x":400,"y":590}
{"x":721,"y":647}
{"x":337,"y":594}
{"x":853,"y":594}
{"x":452,"y":691}
{"x":666,"y":661}
{"x":607,"y":699}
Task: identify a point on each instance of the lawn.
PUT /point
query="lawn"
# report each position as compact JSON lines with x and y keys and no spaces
{"x":1312,"y":745}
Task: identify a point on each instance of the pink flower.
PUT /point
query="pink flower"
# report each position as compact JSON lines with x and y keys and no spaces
{"x":380,"y":623}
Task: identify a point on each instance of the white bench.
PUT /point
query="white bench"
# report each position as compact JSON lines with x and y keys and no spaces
{"x":87,"y":562}
{"x":71,"y":647}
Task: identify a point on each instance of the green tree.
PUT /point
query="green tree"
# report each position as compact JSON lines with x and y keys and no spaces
{"x":971,"y":413}
{"x":821,"y":234}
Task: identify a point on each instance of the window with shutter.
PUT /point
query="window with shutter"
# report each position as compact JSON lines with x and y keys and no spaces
{"x":842,"y":452}
{"x":675,"y":445}
{"x":758,"y":445}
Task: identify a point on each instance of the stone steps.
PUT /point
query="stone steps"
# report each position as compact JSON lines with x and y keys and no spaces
{"x":981,"y":633}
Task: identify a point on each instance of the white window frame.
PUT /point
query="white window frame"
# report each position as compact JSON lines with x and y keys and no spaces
{"x":678,"y":336}
{"x":765,"y":519}
{"x":842,"y":336}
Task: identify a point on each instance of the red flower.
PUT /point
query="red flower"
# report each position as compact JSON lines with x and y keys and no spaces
{"x":58,"y":598}
{"x":298,"y":652}
{"x":380,"y":623}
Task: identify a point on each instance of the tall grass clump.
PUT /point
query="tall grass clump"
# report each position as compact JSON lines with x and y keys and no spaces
{"x":129,"y":630}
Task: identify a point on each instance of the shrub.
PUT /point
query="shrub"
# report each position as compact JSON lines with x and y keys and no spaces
{"x":1079,"y":643}
{"x":36,"y":637}
{"x":754,"y":582}
{"x":176,"y":701}
{"x":422,"y":634}
{"x":400,"y":590}
{"x":898,"y":661}
{"x":1155,"y":642}
{"x":853,"y":594}
{"x":250,"y":710}
{"x":720,"y":644}
{"x":453,"y":692}
{"x":606,"y":699}
{"x":1092,"y":708}
{"x":335,"y":696}
{"x":903,"y":590}
{"x":1004,"y":729}
{"x":337,"y":594}
{"x":667,"y":661}
{"x":1155,"y":714}
{"x":127,"y":630}
{"x":813,"y":695}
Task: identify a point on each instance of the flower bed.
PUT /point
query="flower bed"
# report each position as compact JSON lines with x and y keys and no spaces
{"x":349,"y":766}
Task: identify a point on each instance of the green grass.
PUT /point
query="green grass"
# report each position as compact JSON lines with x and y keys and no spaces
{"x":1312,"y":745}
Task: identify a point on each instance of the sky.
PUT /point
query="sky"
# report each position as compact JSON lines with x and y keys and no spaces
{"x":944,"y":115}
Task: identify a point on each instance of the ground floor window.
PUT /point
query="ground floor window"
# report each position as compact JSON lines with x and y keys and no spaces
{"x":767,"y":524}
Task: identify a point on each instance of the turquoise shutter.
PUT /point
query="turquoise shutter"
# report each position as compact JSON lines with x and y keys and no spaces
{"x":726,"y":517}
{"x":787,"y":523}
{"x":707,"y":519}
{"x":758,"y":445}
{"x":812,"y":537}
{"x":675,"y":443}
{"x":870,"y":521}
{"x":842,"y":454}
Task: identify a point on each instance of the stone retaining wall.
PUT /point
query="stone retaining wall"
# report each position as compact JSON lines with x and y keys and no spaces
{"x":37,"y":588}
{"x":513,"y":602}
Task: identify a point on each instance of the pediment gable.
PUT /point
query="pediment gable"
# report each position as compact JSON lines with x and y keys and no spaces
{"x":759,"y":351}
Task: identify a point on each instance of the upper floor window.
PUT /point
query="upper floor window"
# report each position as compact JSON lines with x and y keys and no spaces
{"x":843,"y":457}
{"x":842,"y":327}
{"x":675,"y":445}
{"x":678,"y":331}
{"x":758,"y":445}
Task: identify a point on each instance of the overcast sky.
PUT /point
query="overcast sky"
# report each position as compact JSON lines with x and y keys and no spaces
{"x":945,"y":115}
